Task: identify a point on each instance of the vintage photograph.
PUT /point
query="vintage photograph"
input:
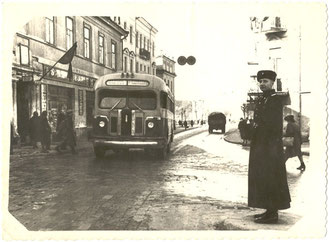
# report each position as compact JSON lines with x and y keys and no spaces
{"x":201,"y":118}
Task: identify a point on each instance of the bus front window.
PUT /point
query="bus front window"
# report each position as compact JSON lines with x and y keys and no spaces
{"x":145,"y":100}
{"x":112,"y":99}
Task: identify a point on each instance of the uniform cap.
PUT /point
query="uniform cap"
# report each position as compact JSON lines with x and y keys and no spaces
{"x":290,"y":118}
{"x":266,"y":74}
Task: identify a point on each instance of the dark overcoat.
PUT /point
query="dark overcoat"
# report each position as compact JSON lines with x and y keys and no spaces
{"x":267,"y":179}
{"x":293,"y":130}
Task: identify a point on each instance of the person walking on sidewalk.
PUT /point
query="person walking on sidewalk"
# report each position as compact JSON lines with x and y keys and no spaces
{"x":67,"y":132}
{"x":242,"y":130}
{"x":34,"y":125}
{"x":267,"y":179}
{"x":293,"y":130}
{"x":45,"y":132}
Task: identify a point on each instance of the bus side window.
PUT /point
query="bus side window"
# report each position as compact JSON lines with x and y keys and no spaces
{"x":163,"y":99}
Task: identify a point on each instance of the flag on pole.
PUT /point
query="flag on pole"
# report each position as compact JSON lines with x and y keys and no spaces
{"x":67,"y":59}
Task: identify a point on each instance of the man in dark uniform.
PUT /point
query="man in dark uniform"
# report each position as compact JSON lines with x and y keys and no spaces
{"x":267,"y":179}
{"x":34,"y":124}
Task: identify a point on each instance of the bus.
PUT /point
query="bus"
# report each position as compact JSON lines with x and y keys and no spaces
{"x":133,"y":110}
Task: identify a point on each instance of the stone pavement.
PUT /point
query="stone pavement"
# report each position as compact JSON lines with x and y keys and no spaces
{"x":21,"y":151}
{"x":233,"y":136}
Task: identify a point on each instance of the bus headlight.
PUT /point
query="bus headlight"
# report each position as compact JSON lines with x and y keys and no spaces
{"x":101,"y":124}
{"x":150,"y":125}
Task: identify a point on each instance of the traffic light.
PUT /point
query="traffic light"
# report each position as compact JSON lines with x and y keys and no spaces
{"x":182,"y":60}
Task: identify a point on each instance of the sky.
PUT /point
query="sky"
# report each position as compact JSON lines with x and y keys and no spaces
{"x":217,"y":34}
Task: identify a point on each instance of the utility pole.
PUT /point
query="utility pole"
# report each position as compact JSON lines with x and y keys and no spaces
{"x":300,"y":78}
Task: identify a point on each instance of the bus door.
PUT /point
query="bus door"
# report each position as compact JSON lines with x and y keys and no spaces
{"x":126,"y":121}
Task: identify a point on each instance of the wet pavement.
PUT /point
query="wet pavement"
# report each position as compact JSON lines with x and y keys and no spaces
{"x":202,"y":186}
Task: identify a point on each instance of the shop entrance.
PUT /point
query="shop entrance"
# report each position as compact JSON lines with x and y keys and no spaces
{"x":23,"y":114}
{"x":60,"y":99}
{"x":90,"y":100}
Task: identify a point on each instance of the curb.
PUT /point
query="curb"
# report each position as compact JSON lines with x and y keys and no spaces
{"x":306,"y":153}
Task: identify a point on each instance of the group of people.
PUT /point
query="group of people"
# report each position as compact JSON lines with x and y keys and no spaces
{"x":245,"y":129}
{"x":267,"y":179}
{"x":40,"y":131}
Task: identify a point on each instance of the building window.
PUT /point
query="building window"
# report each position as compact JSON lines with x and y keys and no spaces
{"x":141,"y":67}
{"x":137,"y":39}
{"x":50,"y":30}
{"x":131,"y":66}
{"x":125,"y":64}
{"x":144,"y":43}
{"x":125,"y":25}
{"x":148,"y":70}
{"x":144,"y":68}
{"x":148,"y":45}
{"x":153,"y":49}
{"x":101,"y":49}
{"x":131,"y":34}
{"x":114,"y":54}
{"x":24,"y":54}
{"x":86,"y":41}
{"x":136,"y":67}
{"x":69,"y":32}
{"x":141,"y":41}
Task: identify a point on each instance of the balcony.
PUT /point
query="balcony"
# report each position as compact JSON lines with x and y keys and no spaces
{"x":144,"y":54}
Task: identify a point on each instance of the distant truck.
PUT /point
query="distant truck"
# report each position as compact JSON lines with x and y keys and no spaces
{"x":217,"y":121}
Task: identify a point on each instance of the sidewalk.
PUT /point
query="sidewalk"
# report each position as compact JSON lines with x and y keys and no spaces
{"x":82,"y":143}
{"x":233,"y":136}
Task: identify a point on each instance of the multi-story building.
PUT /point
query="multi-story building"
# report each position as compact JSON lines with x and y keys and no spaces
{"x":139,"y":47}
{"x":278,"y":47}
{"x":165,"y":69}
{"x":40,"y":44}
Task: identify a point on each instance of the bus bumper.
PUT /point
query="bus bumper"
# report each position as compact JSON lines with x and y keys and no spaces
{"x":129,"y":143}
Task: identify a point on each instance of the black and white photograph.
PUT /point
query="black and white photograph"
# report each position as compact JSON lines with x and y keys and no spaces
{"x":163,"y":120}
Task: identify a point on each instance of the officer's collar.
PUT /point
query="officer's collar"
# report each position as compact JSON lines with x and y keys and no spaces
{"x":268,"y":93}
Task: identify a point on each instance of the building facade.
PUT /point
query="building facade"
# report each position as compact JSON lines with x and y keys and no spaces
{"x":165,"y":69}
{"x":277,"y":46}
{"x":139,"y":46}
{"x":37,"y":48}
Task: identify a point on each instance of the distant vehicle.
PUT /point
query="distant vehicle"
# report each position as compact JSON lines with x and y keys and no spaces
{"x":217,"y":121}
{"x":133,"y":111}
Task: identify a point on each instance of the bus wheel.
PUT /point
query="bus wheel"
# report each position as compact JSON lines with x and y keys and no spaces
{"x":99,"y":152}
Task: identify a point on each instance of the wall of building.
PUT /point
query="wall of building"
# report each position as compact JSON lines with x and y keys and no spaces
{"x":44,"y":55}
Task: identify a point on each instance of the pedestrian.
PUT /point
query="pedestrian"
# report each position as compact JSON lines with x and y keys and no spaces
{"x":293,"y":130}
{"x":267,"y":180}
{"x":34,"y":125}
{"x":67,"y":132}
{"x":45,"y":131}
{"x":192,"y":123}
{"x":185,"y":124}
{"x":241,"y":127}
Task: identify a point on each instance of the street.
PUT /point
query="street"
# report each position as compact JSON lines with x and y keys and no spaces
{"x":202,"y":186}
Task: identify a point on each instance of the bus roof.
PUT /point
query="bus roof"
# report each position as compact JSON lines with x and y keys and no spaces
{"x":155,"y":82}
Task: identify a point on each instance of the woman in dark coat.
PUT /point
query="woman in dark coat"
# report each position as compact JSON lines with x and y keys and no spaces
{"x":267,"y":179}
{"x":34,"y":125}
{"x":293,"y":130}
{"x":45,"y":132}
{"x":67,"y":131}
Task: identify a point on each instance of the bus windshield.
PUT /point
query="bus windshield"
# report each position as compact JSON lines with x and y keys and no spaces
{"x":118,"y":99}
